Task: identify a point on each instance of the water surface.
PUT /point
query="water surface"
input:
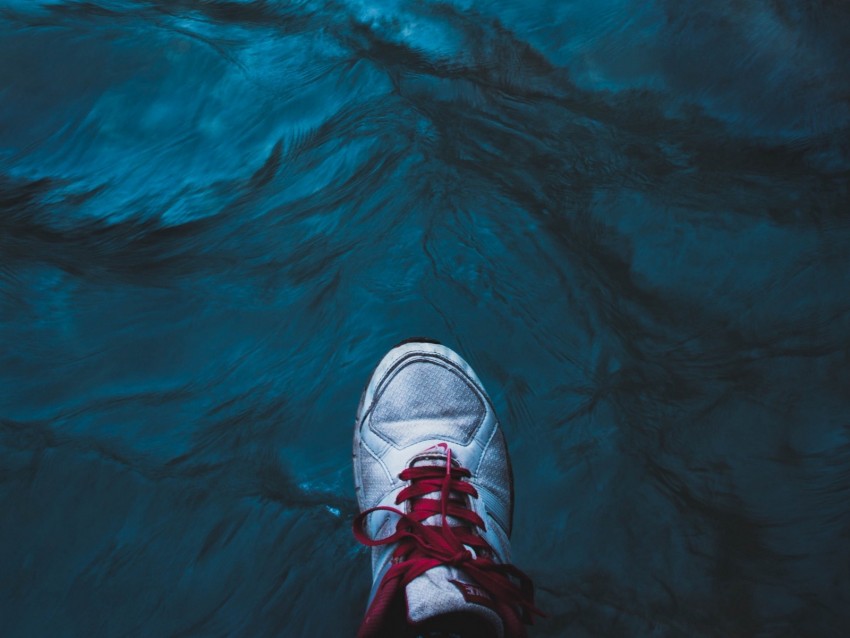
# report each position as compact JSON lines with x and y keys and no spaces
{"x":630,"y":217}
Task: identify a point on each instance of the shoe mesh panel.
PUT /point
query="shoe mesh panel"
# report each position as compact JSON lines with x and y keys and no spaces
{"x":426,"y":400}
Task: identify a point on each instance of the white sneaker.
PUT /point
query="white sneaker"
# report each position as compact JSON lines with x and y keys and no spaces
{"x":435,"y":490}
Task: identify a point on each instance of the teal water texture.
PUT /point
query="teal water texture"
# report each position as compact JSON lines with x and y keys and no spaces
{"x":630,"y":217}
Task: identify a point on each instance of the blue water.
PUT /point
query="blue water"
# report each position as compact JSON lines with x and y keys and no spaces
{"x":631,"y":217}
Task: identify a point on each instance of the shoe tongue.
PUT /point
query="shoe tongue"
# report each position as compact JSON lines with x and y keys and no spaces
{"x":436,"y":456}
{"x":446,"y":590}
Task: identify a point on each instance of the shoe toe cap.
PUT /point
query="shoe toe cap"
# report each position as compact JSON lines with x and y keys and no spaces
{"x":426,"y":398}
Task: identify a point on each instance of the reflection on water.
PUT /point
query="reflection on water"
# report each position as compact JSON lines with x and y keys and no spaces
{"x":631,"y":217}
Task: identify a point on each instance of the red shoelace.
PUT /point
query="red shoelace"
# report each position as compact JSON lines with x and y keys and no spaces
{"x":423,"y":547}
